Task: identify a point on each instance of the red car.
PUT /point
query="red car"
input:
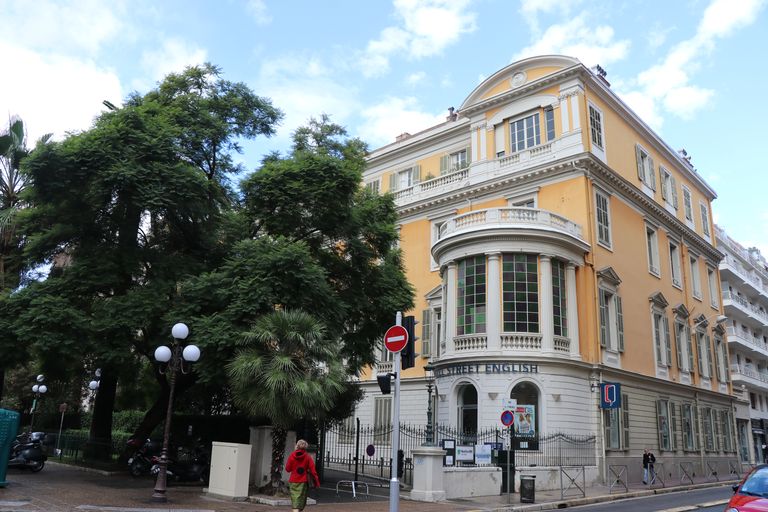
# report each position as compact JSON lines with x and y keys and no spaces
{"x":751,"y":494}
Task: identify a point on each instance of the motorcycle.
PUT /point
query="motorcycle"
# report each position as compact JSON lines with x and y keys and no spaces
{"x":27,"y":452}
{"x":140,"y":462}
{"x":195,"y":467}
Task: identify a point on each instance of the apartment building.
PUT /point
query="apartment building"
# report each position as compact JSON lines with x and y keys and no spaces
{"x":555,"y":243}
{"x":744,"y":281}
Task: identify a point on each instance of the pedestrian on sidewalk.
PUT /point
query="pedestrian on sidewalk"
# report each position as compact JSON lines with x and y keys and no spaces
{"x":648,"y":461}
{"x":303,"y":474}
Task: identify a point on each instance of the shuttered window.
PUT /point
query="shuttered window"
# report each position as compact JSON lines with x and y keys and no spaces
{"x":426,"y":333}
{"x":663,"y":424}
{"x":603,"y":217}
{"x":382,"y":418}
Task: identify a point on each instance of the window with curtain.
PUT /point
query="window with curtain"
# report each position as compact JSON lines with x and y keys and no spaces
{"x":520,"y":293}
{"x":470,"y":297}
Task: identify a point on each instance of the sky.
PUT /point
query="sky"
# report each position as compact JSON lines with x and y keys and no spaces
{"x":692,"y":69}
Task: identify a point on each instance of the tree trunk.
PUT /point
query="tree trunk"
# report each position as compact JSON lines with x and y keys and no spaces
{"x":99,"y":445}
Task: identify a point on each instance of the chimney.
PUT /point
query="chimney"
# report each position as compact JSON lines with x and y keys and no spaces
{"x":403,"y":136}
{"x":685,"y":156}
{"x":600,"y":74}
{"x":452,"y":115}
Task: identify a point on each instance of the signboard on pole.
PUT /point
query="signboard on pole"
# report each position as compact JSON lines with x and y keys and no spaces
{"x":610,"y":395}
{"x":396,"y":338}
{"x":507,"y":418}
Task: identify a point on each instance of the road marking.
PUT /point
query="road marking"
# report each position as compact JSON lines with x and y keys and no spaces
{"x":686,"y":508}
{"x":7,"y":503}
{"x":713,"y":503}
{"x":129,"y":509}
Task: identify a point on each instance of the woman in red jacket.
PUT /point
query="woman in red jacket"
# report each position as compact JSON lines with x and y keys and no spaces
{"x":301,"y":467}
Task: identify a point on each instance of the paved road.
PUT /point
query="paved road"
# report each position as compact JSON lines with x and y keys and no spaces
{"x":702,"y":500}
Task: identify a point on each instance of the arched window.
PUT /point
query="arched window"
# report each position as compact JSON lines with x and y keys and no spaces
{"x":527,"y":393}
{"x":467,"y":395}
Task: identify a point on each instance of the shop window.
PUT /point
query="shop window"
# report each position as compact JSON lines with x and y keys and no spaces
{"x":526,"y":393}
{"x":468,"y":413}
{"x":520,"y":293}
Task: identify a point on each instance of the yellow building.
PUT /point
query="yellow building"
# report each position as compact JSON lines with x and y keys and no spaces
{"x":556,"y":242}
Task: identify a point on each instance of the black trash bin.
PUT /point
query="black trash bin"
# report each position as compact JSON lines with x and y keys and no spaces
{"x":527,"y":488}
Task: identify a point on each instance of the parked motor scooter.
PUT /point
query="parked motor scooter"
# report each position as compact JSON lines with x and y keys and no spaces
{"x":193,"y":468}
{"x":140,"y":462}
{"x":27,"y":452}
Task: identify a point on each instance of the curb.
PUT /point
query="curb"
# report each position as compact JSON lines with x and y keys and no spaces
{"x":84,"y":468}
{"x":555,"y":505}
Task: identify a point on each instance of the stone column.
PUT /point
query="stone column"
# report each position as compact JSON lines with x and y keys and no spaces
{"x":450,"y":306}
{"x":493,"y":302}
{"x":572,"y":310}
{"x":428,"y":474}
{"x":545,"y":299}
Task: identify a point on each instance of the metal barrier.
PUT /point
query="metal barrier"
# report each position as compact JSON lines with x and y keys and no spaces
{"x":573,"y":489}
{"x":711,"y":467}
{"x":617,"y":478}
{"x":353,"y":484}
{"x":733,"y":468}
{"x":686,"y":471}
{"x":657,"y":476}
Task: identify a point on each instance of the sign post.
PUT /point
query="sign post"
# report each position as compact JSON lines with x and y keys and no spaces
{"x":395,"y":339}
{"x":508,"y":420}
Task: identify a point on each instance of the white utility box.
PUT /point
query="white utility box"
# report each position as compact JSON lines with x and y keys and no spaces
{"x":230,"y":470}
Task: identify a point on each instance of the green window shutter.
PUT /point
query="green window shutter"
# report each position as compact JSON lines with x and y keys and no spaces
{"x":661,"y":181}
{"x":426,"y":328}
{"x":667,"y":340}
{"x":607,"y":425}
{"x":657,"y":335}
{"x":672,"y":426}
{"x":603,"y":319}
{"x":674,"y":191}
{"x":393,"y":182}
{"x":444,"y":164}
{"x":683,"y":409}
{"x":625,"y":419}
{"x":652,"y":173}
{"x":720,"y":431}
{"x":416,"y":173}
{"x":696,"y":442}
{"x":699,"y":355}
{"x":689,"y":344}
{"x":708,"y":341}
{"x":638,"y":153}
{"x":659,"y":425}
{"x":619,"y":323}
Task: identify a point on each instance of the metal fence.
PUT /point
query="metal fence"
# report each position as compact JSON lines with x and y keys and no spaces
{"x":365,"y":450}
{"x":76,"y":446}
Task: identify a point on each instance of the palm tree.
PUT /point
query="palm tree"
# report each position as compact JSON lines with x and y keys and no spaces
{"x":287,"y":370}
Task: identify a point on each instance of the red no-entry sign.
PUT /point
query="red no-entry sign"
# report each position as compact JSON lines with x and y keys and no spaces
{"x":507,"y":418}
{"x":396,"y":338}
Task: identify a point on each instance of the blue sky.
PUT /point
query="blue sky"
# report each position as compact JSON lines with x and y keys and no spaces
{"x":693,"y":69}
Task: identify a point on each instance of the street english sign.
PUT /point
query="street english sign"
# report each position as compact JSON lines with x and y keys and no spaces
{"x":610,"y":395}
{"x":487,"y":368}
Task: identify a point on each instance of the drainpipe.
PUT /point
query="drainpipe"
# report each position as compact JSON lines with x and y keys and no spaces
{"x":602,"y":431}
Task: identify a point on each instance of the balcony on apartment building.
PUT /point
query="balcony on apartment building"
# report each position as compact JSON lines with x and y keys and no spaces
{"x":550,"y":244}
{"x":484,"y":170}
{"x":740,"y":304}
{"x":749,"y":375}
{"x":747,"y":341}
{"x":731,"y":267}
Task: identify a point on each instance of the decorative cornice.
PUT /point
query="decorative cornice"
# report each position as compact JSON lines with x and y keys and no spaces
{"x":659,"y":300}
{"x":681,"y":310}
{"x":609,"y":275}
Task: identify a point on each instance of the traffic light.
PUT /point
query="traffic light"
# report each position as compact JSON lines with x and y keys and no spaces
{"x":385,"y":384}
{"x":408,"y":354}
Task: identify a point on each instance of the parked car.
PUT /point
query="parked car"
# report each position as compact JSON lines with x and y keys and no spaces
{"x":751,"y":494}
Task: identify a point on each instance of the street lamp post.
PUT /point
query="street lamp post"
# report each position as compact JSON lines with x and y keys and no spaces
{"x":39,"y":390}
{"x":174,"y":358}
{"x":429,"y":376}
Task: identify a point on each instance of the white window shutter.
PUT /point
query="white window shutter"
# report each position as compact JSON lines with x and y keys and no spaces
{"x":640,"y":171}
{"x":444,"y":164}
{"x":674,"y":191}
{"x":469,"y":155}
{"x":667,"y":340}
{"x":498,"y":132}
{"x":663,"y":182}
{"x":620,"y":323}
{"x":652,"y":173}
{"x":416,"y":174}
{"x":393,"y":182}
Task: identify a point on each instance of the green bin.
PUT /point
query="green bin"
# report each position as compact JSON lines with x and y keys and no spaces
{"x":9,"y":425}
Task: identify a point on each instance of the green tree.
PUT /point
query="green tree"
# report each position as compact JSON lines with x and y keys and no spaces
{"x":126,"y":211}
{"x":288,"y":369}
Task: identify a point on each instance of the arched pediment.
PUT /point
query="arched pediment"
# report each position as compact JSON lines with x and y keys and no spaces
{"x":515,"y":75}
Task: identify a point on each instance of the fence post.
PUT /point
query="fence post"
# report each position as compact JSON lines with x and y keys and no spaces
{"x":357,"y":448}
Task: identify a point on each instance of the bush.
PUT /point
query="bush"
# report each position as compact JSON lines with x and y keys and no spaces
{"x":127,"y":421}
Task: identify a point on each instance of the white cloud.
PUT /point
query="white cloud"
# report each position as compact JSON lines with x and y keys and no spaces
{"x":426,"y":28}
{"x":667,"y":85}
{"x":258,"y":11}
{"x":57,"y":93}
{"x":62,"y":26}
{"x":591,"y":45}
{"x":393,"y":116}
{"x":173,"y":55}
{"x":530,"y":10}
{"x":303,"y":87}
{"x":416,"y":78}
{"x":657,"y":36}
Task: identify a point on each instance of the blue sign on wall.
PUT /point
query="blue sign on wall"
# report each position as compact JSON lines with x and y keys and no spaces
{"x":610,"y":395}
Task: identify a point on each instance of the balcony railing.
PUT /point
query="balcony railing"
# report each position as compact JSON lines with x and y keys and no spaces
{"x":748,"y":276}
{"x":562,"y":344}
{"x":747,"y":370}
{"x":470,"y":342}
{"x":510,"y":216}
{"x":520,"y":341}
{"x":747,"y":339}
{"x":745,"y":306}
{"x":444,"y":182}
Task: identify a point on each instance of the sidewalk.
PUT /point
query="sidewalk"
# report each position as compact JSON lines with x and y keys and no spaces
{"x":60,"y":488}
